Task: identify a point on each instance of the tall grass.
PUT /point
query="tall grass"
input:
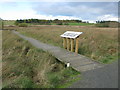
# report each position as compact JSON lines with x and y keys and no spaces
{"x":100,"y":44}
{"x":24,"y":66}
{"x":0,"y":24}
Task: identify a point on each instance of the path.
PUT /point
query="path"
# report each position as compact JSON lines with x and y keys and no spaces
{"x":106,"y":77}
{"x":95,"y":77}
{"x":77,"y":61}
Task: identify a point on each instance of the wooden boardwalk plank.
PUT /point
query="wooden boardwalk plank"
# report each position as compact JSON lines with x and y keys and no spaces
{"x":77,"y":61}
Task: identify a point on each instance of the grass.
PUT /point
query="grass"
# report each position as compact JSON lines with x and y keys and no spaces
{"x":9,"y":22}
{"x":100,"y":44}
{"x":12,"y":22}
{"x":0,"y":24}
{"x":24,"y":66}
{"x":81,"y":24}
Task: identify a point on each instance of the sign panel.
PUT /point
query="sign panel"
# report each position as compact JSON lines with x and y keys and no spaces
{"x":71,"y":34}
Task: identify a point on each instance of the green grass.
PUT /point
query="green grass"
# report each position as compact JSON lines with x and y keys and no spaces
{"x":9,"y":22}
{"x":12,"y":22}
{"x":109,"y":58}
{"x":81,"y":24}
{"x":73,"y":24}
{"x":57,"y":80}
{"x":24,"y":66}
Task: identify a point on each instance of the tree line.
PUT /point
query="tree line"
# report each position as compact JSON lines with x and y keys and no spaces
{"x":57,"y":22}
{"x":106,"y":21}
{"x":48,"y":22}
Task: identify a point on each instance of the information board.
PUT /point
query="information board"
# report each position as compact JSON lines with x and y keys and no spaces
{"x":71,"y":34}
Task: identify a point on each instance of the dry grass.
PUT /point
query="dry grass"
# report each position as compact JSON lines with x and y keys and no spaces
{"x":97,"y":43}
{"x":24,"y":66}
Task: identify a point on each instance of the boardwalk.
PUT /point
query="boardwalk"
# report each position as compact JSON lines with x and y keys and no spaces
{"x":77,"y":61}
{"x":92,"y":75}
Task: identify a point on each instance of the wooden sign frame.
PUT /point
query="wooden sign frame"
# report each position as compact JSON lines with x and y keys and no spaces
{"x":68,"y":40}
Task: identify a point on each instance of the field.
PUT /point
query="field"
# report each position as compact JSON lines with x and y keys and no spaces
{"x":24,"y":66}
{"x":12,"y":22}
{"x":0,"y":24}
{"x":100,"y":44}
{"x":81,"y":24}
{"x":9,"y":22}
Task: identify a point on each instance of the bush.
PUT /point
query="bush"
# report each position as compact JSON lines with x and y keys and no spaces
{"x":102,"y":25}
{"x":22,"y":25}
{"x":16,"y":23}
{"x":60,"y":23}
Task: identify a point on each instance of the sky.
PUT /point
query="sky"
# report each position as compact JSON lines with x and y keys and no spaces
{"x":86,"y":11}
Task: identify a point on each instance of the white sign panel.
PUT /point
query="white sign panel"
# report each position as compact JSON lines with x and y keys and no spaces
{"x":71,"y":34}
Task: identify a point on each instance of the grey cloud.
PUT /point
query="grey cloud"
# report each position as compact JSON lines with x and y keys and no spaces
{"x":84,"y":10}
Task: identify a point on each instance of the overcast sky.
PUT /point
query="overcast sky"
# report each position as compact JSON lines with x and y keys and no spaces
{"x":90,"y":11}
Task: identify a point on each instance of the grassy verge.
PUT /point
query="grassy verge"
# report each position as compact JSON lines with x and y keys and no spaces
{"x":24,"y":66}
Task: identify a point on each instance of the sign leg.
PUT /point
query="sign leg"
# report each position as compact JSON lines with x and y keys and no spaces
{"x":77,"y":43}
{"x":68,"y":44}
{"x":64,"y":43}
{"x":72,"y":45}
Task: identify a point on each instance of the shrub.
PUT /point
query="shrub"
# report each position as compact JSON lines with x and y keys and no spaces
{"x":102,"y":25}
{"x":16,"y":23}
{"x":22,"y":25}
{"x":60,"y":23}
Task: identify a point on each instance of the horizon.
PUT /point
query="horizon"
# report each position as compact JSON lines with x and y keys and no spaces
{"x":66,"y":19}
{"x":85,"y":11}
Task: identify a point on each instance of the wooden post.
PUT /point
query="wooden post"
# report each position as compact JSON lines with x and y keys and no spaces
{"x":68,"y":44}
{"x":77,"y":44}
{"x":72,"y":45}
{"x":64,"y":43}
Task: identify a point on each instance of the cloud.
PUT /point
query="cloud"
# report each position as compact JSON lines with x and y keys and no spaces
{"x":28,"y":14}
{"x":85,"y":10}
{"x":59,"y":0}
{"x":108,"y":18}
{"x":13,"y":15}
{"x":77,"y":9}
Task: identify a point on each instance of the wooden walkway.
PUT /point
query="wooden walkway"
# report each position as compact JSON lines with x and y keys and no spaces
{"x":77,"y":61}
